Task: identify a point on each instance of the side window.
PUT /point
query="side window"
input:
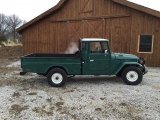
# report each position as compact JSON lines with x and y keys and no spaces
{"x":95,"y":47}
{"x":145,"y":44}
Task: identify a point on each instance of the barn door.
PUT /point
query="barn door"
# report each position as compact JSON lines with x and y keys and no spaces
{"x":94,"y":28}
{"x":74,"y":30}
{"x":85,"y":8}
{"x":120,"y":34}
{"x":85,"y":29}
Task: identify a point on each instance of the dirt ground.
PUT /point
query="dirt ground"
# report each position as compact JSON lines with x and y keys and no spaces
{"x":10,"y":52}
{"x":82,"y":98}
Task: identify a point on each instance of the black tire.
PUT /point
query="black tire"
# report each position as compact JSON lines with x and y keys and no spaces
{"x":61,"y":77}
{"x":118,"y":75}
{"x":132,"y":75}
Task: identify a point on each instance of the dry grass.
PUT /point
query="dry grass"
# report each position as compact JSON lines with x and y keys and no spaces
{"x":11,"y":52}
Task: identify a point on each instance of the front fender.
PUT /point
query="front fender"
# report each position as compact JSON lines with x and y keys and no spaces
{"x":127,"y":64}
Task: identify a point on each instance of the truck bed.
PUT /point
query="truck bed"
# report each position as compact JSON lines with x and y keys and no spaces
{"x":52,"y":55}
{"x":42,"y":63}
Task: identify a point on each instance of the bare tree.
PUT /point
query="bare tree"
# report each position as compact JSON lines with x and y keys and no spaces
{"x":14,"y":22}
{"x":3,"y":27}
{"x":8,"y":26}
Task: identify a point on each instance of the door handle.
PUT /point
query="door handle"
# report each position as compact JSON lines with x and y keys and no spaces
{"x":91,"y":60}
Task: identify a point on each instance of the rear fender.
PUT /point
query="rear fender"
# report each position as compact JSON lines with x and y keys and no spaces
{"x":52,"y":67}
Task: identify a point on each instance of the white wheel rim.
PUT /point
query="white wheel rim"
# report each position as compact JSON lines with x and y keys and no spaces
{"x":57,"y":78}
{"x":132,"y":76}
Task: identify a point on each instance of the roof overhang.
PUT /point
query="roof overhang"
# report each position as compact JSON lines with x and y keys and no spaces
{"x":138,"y":7}
{"x":42,"y":16}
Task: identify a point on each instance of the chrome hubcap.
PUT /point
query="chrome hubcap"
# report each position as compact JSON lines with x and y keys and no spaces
{"x":57,"y":78}
{"x":132,"y":76}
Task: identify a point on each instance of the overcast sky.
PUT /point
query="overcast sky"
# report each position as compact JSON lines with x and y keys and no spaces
{"x":28,"y":9}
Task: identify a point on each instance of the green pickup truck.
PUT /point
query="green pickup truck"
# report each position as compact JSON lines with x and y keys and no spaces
{"x":94,"y":57}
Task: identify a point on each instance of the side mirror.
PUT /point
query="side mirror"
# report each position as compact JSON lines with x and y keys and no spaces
{"x":106,"y":51}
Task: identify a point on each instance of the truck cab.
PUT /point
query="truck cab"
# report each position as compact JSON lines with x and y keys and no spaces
{"x":94,"y":57}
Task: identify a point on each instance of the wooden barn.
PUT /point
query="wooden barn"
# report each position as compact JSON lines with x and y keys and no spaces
{"x":131,"y":28}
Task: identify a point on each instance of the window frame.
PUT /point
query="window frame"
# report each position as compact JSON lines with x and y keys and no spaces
{"x":97,"y":52}
{"x":138,"y":49}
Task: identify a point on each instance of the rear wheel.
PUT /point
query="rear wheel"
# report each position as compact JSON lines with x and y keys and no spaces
{"x":132,"y":75}
{"x":57,"y":77}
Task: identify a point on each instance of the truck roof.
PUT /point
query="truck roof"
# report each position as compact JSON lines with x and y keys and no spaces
{"x":94,"y":39}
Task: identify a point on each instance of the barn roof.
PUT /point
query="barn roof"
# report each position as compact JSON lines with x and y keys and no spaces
{"x":138,"y":7}
{"x":62,"y":2}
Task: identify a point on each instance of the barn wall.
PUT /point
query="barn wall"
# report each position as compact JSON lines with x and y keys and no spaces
{"x":93,"y":18}
{"x":146,"y":25}
{"x":36,"y":39}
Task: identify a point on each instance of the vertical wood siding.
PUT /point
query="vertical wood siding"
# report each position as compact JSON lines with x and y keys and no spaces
{"x":143,"y":24}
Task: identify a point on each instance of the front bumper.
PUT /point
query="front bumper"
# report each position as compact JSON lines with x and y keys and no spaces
{"x":145,"y":69}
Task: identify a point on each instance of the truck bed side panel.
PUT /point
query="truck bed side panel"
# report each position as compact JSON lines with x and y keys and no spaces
{"x":72,"y":65}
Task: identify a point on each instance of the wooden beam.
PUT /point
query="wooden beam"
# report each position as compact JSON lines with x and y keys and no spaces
{"x":89,"y":18}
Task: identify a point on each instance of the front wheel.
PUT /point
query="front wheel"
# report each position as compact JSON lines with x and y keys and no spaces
{"x":57,"y":77}
{"x":132,"y":75}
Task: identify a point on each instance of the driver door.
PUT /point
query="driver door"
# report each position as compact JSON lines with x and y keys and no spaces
{"x":99,"y":58}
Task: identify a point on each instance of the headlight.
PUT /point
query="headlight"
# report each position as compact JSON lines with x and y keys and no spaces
{"x":141,"y":61}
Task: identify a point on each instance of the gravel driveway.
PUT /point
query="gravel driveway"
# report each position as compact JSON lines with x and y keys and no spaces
{"x":82,"y":98}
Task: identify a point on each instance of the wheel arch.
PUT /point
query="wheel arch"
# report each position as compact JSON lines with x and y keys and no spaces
{"x":125,"y":65}
{"x":60,"y":67}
